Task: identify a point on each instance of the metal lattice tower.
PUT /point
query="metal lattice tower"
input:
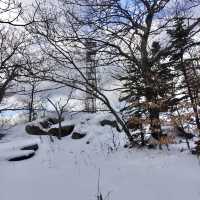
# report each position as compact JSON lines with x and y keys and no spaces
{"x":91,"y":74}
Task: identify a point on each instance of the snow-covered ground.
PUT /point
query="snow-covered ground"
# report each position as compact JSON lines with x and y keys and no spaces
{"x":69,"y":169}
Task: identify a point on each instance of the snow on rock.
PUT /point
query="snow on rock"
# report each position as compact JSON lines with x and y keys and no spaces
{"x":18,"y":144}
{"x":9,"y":150}
{"x":19,"y":155}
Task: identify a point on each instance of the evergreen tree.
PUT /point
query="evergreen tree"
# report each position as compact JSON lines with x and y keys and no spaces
{"x":148,"y":99}
{"x":181,"y":40}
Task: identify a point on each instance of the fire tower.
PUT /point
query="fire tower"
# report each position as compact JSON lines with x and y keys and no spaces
{"x":91,"y":74}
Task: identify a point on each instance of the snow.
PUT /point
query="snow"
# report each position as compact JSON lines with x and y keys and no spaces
{"x":68,"y":169}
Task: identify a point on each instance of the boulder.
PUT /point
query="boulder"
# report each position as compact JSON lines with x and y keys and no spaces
{"x":35,"y":130}
{"x":49,"y":121}
{"x":110,"y":123}
{"x":22,"y":157}
{"x":33,"y":147}
{"x":77,"y":135}
{"x":65,"y":131}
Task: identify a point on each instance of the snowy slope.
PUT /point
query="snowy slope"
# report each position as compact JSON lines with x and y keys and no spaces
{"x":69,"y":169}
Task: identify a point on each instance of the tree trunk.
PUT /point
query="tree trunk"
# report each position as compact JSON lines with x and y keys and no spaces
{"x":31,"y":109}
{"x":60,"y":127}
{"x":142,"y":135}
{"x":155,"y":124}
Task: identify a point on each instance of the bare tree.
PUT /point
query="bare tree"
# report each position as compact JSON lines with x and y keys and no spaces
{"x":131,"y":33}
{"x":127,"y":36}
{"x":13,"y":46}
{"x":60,"y":108}
{"x":15,"y":43}
{"x":66,"y":54}
{"x":13,"y":13}
{"x":17,"y":58}
{"x":10,"y":12}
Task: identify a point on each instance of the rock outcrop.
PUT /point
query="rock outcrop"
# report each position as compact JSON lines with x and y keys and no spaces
{"x":34,"y":130}
{"x":111,"y":123}
{"x":77,"y":135}
{"x":65,"y":131}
